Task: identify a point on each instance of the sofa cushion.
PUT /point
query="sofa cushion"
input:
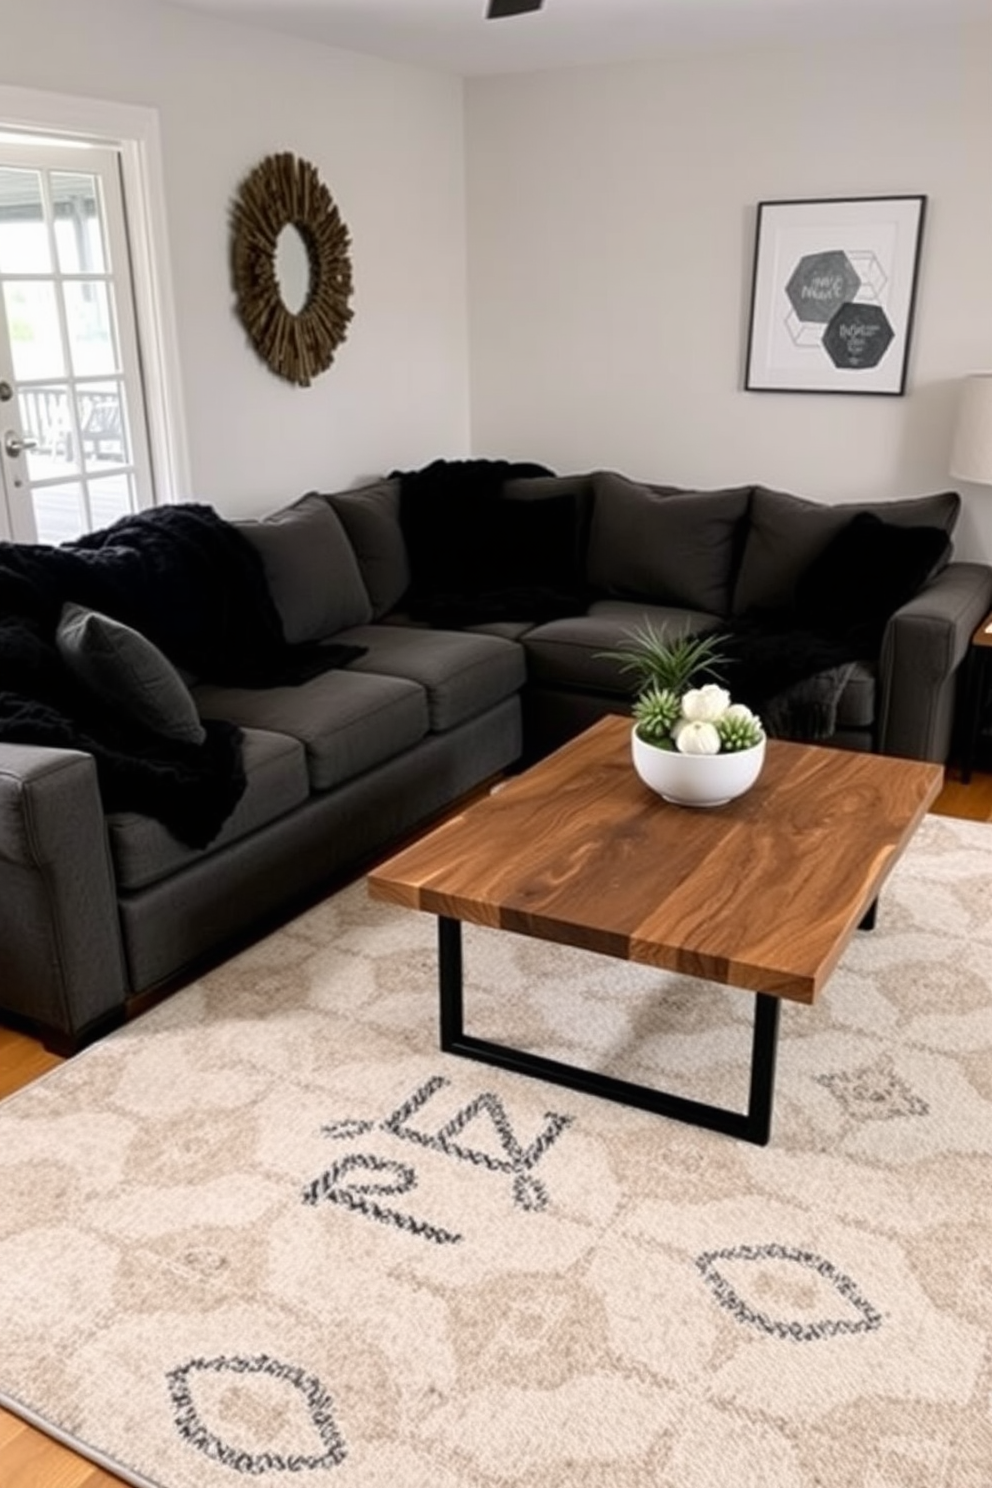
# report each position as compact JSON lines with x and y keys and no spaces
{"x":667,"y":547}
{"x":866,"y":572}
{"x":347,"y":722}
{"x":540,"y":487}
{"x":371,"y":518}
{"x":569,"y":653}
{"x":785,"y":533}
{"x":144,"y":851}
{"x":462,"y":673}
{"x":128,"y":673}
{"x":311,"y":569}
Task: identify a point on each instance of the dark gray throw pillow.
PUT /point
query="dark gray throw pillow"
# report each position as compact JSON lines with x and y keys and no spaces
{"x":661,"y":544}
{"x":371,"y":517}
{"x":311,"y":570}
{"x":128,"y":673}
{"x":786,"y":533}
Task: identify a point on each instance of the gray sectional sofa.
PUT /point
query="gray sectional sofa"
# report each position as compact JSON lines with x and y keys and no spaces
{"x":711,"y":560}
{"x":97,"y":907}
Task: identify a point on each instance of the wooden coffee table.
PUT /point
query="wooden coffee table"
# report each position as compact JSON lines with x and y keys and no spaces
{"x":762,"y":894}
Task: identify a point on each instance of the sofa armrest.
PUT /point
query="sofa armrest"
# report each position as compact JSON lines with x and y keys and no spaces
{"x":61,"y":956}
{"x":924,"y":644}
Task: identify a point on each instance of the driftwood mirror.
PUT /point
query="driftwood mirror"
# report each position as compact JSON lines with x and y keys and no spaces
{"x":292,"y":288}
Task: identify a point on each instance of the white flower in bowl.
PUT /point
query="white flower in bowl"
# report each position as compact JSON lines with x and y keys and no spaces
{"x":739,"y":713}
{"x":697,"y":736}
{"x":705,"y":704}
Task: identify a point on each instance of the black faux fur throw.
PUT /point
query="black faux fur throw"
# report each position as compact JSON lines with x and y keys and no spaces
{"x":792,"y":678}
{"x":191,"y":788}
{"x":477,"y":556}
{"x":185,"y":578}
{"x":193,"y":585}
{"x":792,"y":666}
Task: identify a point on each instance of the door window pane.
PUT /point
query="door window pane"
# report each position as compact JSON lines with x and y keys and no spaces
{"x":33,"y":325}
{"x":45,"y":418}
{"x":91,"y":342}
{"x":102,"y":427}
{"x":111,"y":496}
{"x":78,"y":237}
{"x":23,"y":236}
{"x":59,"y":513}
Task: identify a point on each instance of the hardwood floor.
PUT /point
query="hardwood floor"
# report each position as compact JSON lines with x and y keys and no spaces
{"x":28,"y":1458}
{"x":972,"y":802}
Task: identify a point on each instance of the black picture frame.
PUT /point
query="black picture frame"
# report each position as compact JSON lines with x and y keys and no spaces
{"x":833,"y":294}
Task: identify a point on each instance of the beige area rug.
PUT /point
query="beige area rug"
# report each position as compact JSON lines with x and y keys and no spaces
{"x":268,"y":1232}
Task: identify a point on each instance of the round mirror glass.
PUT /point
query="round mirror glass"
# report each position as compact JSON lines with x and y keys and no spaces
{"x":292,"y":268}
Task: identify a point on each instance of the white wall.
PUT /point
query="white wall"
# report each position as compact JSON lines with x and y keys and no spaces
{"x":387,"y":141}
{"x":610,"y":221}
{"x":610,"y":228}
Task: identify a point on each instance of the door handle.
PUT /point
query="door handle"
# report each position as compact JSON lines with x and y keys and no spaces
{"x":14,"y":445}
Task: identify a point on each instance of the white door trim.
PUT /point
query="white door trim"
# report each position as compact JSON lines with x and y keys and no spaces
{"x":135,"y":131}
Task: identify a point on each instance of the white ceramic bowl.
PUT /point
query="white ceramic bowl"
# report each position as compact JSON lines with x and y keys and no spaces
{"x":697,"y":779}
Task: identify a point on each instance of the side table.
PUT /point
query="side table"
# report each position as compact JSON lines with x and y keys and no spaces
{"x":977,"y":676}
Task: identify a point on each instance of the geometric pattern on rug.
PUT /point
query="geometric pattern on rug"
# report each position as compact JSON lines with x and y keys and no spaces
{"x":874,"y":1092}
{"x":358,"y":1181}
{"x":796,"y":1329}
{"x":528,"y":1192}
{"x":182,"y":1388}
{"x":269,"y":1231}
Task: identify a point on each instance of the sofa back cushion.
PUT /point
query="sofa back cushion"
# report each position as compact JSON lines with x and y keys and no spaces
{"x":540,"y":487}
{"x":311,"y":570}
{"x":371,"y":518}
{"x":663,"y":544}
{"x":786,"y":533}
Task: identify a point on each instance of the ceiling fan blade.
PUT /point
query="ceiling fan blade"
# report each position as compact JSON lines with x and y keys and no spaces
{"x":499,"y":8}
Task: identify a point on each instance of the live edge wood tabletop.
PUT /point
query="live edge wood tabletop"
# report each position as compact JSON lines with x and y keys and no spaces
{"x":763,"y":893}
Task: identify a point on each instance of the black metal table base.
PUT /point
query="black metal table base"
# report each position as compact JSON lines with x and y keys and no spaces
{"x":752,"y":1125}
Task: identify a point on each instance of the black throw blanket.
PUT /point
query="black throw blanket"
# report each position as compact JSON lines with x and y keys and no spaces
{"x":792,"y":666}
{"x":193,"y":585}
{"x":477,"y":555}
{"x":792,"y":677}
{"x":181,"y":575}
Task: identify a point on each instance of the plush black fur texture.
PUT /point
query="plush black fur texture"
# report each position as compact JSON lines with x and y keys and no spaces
{"x":476,"y":555}
{"x":792,"y":678}
{"x":191,"y":583}
{"x":792,"y":666}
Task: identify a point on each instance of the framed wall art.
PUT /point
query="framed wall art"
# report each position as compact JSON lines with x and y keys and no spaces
{"x":833,"y":295}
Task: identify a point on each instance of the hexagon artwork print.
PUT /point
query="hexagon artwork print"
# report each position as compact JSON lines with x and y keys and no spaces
{"x":858,"y":336}
{"x":820,"y":283}
{"x":833,"y":294}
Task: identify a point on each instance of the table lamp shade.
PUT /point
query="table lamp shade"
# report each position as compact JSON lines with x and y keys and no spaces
{"x":971,"y":456}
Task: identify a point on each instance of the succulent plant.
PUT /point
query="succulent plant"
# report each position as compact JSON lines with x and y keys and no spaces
{"x":739,"y":728}
{"x":668,"y":663}
{"x":673,"y":711}
{"x":655,"y":713}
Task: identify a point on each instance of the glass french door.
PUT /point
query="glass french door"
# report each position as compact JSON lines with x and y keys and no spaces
{"x":73,"y":439}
